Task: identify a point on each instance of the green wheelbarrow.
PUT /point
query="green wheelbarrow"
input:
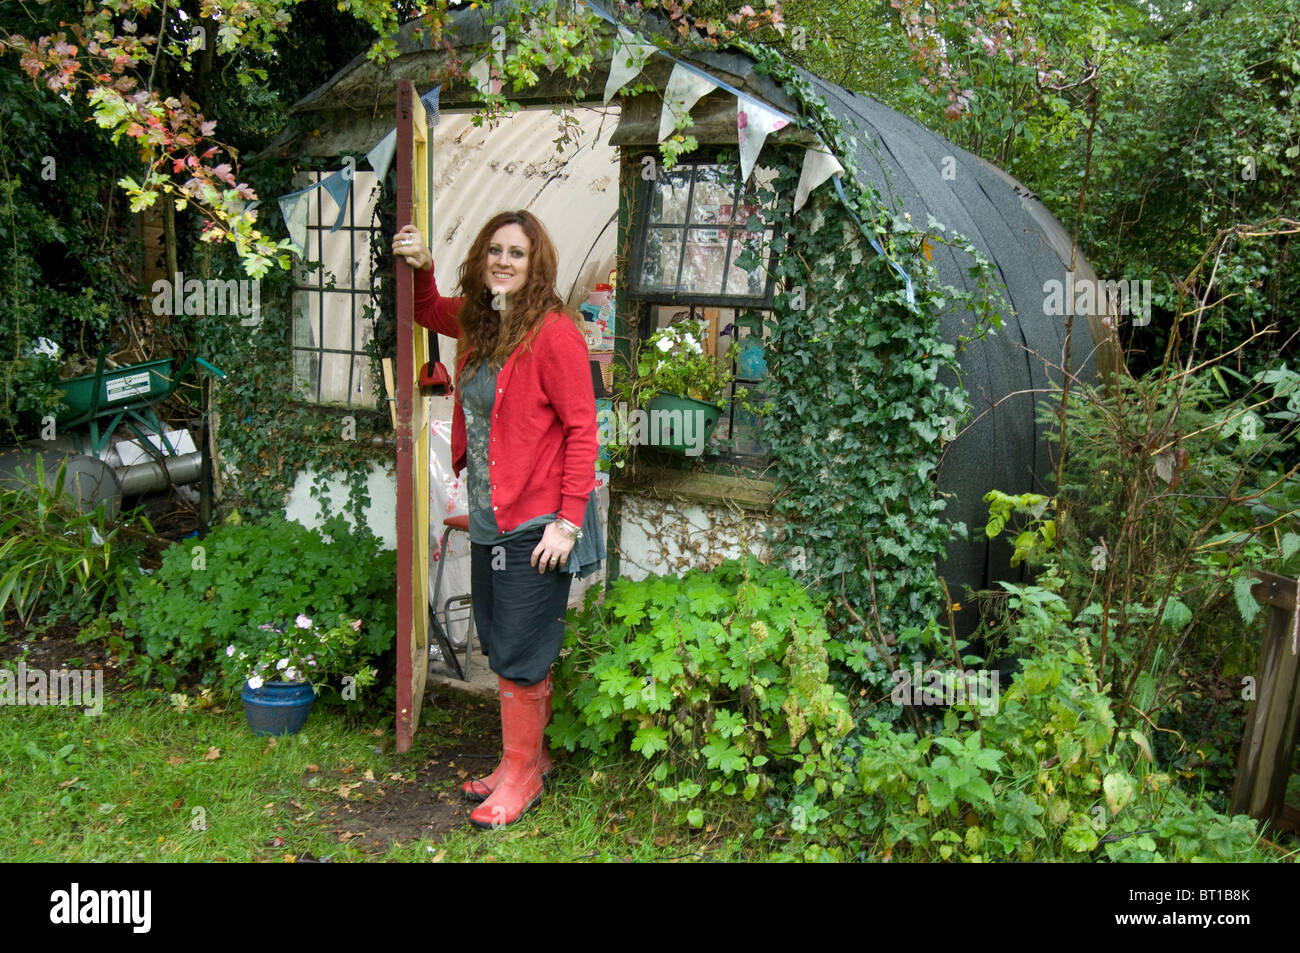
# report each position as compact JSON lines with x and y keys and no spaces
{"x":109,"y":398}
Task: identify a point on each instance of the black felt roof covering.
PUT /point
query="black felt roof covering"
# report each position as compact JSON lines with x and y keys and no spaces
{"x":1005,"y":448}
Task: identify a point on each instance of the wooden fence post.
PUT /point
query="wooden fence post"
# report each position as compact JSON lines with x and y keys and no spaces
{"x":1264,"y":763}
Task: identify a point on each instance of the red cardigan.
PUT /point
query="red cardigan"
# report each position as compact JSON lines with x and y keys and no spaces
{"x":542,"y":457}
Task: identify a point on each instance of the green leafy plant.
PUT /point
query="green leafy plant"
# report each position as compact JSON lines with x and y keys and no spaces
{"x":301,"y":651}
{"x":673,"y":361}
{"x":716,"y":679}
{"x":1045,"y":774}
{"x":54,"y":556}
{"x":215,"y":592}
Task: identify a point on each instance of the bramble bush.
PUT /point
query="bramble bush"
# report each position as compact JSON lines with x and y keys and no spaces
{"x":1046,"y":775}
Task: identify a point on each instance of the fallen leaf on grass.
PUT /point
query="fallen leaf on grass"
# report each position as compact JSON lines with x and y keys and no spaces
{"x":345,"y":789}
{"x":213,"y":754}
{"x":349,"y":835}
{"x":175,"y":760}
{"x":276,"y":841}
{"x":68,"y":784}
{"x":176,"y":804}
{"x":313,"y":768}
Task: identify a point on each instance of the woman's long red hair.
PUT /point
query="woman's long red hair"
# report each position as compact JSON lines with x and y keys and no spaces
{"x":492,"y":335}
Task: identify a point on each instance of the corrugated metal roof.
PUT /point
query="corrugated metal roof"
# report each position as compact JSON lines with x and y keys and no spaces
{"x":573,"y":190}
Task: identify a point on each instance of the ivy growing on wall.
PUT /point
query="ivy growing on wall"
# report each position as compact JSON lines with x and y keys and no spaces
{"x":867,"y":392}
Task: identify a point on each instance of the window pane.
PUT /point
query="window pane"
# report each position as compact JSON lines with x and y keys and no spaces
{"x":714,"y":193}
{"x":705,"y":253}
{"x":334,"y":388}
{"x":741,"y":281}
{"x":305,"y":366}
{"x":670,"y":197}
{"x":663,"y":249}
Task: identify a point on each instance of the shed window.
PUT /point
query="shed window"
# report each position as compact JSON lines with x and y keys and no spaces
{"x":701,"y":237}
{"x":331,"y":299}
{"x":701,"y":253}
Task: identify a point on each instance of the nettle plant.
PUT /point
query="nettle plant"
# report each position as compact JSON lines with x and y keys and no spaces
{"x":715,"y":678}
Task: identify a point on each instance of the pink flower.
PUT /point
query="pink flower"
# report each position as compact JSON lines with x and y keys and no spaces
{"x":302,"y":621}
{"x":356,"y":625}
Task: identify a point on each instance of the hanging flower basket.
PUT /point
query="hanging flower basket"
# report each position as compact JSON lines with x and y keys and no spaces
{"x":681,"y":424}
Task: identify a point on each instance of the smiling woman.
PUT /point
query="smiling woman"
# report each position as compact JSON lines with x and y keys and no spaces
{"x":524,"y":429}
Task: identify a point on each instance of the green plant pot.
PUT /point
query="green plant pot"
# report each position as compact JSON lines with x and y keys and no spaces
{"x":681,"y":424}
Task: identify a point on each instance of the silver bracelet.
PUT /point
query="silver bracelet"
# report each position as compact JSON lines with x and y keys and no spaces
{"x":573,"y":532}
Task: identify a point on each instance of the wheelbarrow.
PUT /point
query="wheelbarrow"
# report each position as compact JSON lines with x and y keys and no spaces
{"x":111,"y":397}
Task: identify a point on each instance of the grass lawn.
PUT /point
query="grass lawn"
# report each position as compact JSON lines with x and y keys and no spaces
{"x":156,"y":780}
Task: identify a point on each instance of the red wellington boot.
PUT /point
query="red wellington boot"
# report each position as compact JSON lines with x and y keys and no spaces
{"x":524,"y":713}
{"x":479,"y":789}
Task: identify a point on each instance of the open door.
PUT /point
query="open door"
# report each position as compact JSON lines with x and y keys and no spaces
{"x":413,"y":207}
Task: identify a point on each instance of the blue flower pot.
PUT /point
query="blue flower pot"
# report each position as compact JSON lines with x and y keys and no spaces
{"x":277,"y":708}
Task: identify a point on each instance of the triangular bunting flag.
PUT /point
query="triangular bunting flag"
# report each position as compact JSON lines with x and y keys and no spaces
{"x":338,"y":186}
{"x":818,"y":166}
{"x":482,"y":74}
{"x":685,"y":87}
{"x":430,"y":102}
{"x":754,"y":120}
{"x":293,"y":209}
{"x":381,"y":156}
{"x":630,"y":54}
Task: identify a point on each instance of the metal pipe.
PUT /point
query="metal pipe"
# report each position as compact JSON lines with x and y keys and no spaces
{"x":148,"y":476}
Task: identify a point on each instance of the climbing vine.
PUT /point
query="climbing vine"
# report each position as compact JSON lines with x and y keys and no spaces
{"x":870,"y":393}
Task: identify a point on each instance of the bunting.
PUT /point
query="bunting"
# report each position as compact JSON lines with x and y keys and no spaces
{"x":338,"y":186}
{"x":380,"y":156}
{"x":818,"y":166}
{"x":630,"y":55}
{"x":293,"y":209}
{"x":685,"y":88}
{"x":754,"y":121}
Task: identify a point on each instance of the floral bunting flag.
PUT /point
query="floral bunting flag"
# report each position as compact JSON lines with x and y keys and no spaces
{"x":818,"y":166}
{"x":754,"y":121}
{"x":685,"y":88}
{"x":630,"y":54}
{"x":482,"y":74}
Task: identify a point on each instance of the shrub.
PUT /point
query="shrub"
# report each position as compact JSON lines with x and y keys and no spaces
{"x":714,"y":678}
{"x":212,"y":592}
{"x":1047,"y":774}
{"x":56,"y":559}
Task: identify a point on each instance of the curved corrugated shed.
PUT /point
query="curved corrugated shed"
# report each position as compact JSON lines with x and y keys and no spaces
{"x":1006,"y":374}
